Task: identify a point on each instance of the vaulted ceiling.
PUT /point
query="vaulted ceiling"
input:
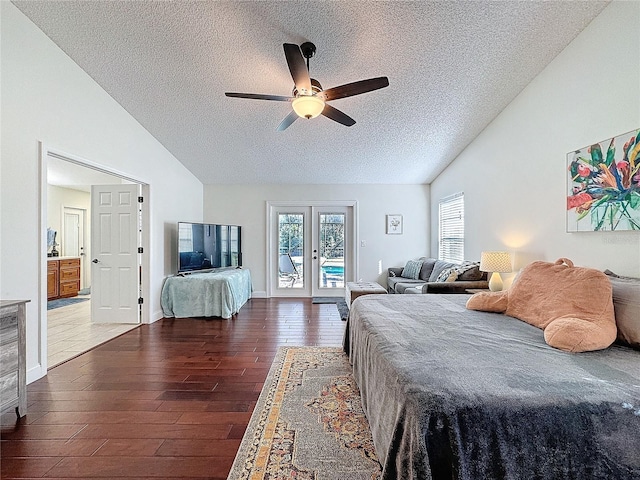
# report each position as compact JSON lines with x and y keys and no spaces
{"x":452,"y":67}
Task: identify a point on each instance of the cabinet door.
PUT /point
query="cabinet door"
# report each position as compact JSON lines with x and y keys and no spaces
{"x":53,"y":289}
{"x":69,"y":277}
{"x":69,"y":289}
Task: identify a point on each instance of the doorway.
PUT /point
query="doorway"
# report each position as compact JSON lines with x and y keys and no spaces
{"x":73,"y":328}
{"x":311,"y":248}
{"x":73,"y":239}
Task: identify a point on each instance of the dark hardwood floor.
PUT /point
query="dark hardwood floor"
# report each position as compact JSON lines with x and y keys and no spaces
{"x":168,"y":400}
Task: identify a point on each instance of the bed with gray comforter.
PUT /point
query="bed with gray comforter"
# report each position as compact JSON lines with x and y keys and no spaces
{"x":458,"y":394}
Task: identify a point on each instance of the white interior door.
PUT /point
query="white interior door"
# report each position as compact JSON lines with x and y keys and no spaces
{"x":114,"y":246}
{"x":311,"y":250}
{"x":73,"y":239}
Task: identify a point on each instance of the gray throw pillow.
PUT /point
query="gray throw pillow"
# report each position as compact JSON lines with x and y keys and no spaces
{"x":412,"y":269}
{"x":626,"y":304}
{"x":427,"y":268}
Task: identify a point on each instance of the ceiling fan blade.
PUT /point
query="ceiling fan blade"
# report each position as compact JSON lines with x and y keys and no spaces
{"x":337,"y":116}
{"x":355,"y":88}
{"x":298,"y":68}
{"x":258,"y":96}
{"x":288,"y":120}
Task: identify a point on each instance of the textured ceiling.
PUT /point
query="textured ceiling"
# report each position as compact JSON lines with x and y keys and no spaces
{"x":452,"y":67}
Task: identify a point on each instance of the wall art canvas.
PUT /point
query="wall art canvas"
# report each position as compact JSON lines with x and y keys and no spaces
{"x":604,"y":185}
{"x":394,"y":224}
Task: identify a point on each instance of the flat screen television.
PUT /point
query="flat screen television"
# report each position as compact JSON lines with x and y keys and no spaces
{"x":204,"y":246}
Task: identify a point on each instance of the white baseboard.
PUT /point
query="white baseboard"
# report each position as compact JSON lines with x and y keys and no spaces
{"x":157,"y":315}
{"x":35,"y":373}
{"x":260,"y":294}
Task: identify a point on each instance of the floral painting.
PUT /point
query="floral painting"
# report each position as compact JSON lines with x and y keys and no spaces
{"x":394,"y":224}
{"x":604,"y":185}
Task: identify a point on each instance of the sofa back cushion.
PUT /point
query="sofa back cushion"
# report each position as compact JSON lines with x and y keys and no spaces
{"x":438,"y":267}
{"x":427,"y":268}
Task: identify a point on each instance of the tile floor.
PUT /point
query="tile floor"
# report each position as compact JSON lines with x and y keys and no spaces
{"x":70,"y":332}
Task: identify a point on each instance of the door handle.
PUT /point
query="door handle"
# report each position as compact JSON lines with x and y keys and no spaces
{"x":95,"y":260}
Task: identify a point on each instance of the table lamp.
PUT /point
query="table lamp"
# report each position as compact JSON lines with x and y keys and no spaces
{"x":496,"y":263}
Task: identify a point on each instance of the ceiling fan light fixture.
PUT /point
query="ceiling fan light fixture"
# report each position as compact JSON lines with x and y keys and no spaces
{"x":308,"y":106}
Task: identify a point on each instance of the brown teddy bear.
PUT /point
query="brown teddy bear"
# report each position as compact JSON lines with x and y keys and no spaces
{"x":573,"y":305}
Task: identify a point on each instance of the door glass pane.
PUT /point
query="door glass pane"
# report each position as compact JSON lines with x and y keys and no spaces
{"x":331,"y":241}
{"x":291,"y":250}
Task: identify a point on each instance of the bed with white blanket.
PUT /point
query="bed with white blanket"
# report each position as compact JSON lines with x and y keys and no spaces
{"x":219,"y":293}
{"x":457,"y":394}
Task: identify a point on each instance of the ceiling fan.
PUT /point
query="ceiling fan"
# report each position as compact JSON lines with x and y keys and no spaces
{"x":308,"y":98}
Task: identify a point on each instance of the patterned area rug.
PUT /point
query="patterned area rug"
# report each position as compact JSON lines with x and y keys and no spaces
{"x":343,"y":310}
{"x":308,"y":423}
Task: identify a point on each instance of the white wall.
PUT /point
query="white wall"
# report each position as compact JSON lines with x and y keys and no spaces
{"x":47,"y":98}
{"x":514,"y":173}
{"x":57,"y":199}
{"x":245,"y":205}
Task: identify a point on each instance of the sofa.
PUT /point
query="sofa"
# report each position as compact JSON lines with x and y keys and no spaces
{"x":436,"y":276}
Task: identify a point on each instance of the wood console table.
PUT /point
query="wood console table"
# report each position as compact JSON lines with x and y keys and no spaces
{"x":13,"y":359}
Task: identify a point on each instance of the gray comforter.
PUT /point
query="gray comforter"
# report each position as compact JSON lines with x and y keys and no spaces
{"x":458,"y":394}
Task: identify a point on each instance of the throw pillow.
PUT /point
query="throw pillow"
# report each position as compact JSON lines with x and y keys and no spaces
{"x":427,"y":268}
{"x":626,"y":304}
{"x":448,"y":275}
{"x":412,"y":269}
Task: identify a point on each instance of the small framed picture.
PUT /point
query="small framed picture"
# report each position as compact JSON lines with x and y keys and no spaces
{"x":394,"y":224}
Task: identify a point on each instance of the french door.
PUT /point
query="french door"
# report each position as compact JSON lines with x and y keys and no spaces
{"x":311,"y":249}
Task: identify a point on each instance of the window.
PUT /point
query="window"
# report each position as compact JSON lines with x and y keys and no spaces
{"x":185,"y":237}
{"x":451,"y":228}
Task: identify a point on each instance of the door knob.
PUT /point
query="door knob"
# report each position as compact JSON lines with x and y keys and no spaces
{"x":95,"y":260}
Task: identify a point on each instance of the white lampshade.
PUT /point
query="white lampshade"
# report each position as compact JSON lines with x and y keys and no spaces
{"x":308,"y":106}
{"x":495,"y":262}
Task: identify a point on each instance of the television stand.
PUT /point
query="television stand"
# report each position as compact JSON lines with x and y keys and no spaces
{"x":216,"y":293}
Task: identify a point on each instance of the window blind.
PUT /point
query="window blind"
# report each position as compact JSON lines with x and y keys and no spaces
{"x":451,"y":228}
